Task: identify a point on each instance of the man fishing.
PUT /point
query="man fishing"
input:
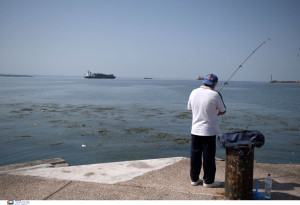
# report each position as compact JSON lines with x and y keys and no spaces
{"x":206,"y":105}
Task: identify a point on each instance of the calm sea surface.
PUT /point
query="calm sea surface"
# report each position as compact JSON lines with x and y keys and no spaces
{"x":94,"y":120}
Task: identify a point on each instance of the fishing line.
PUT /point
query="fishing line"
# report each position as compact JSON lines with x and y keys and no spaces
{"x":243,"y":63}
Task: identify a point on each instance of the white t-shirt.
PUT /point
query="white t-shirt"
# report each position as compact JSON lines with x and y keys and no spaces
{"x":204,"y":104}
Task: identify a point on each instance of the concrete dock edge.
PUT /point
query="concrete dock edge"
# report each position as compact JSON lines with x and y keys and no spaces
{"x":154,"y":179}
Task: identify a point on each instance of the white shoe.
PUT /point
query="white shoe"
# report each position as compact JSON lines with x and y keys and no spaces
{"x":196,"y":183}
{"x":213,"y":185}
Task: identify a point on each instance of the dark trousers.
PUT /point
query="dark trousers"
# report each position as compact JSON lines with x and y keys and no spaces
{"x":207,"y":146}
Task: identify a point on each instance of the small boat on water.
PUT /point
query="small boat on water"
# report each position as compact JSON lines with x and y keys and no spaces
{"x":99,"y":75}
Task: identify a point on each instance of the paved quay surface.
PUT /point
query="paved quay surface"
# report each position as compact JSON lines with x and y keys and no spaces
{"x":156,"y":179}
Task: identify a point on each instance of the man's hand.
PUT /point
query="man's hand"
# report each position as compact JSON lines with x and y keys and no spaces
{"x":221,"y":113}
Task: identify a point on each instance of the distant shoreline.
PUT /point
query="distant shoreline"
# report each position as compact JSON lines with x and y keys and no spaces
{"x":11,"y":75}
{"x":281,"y":81}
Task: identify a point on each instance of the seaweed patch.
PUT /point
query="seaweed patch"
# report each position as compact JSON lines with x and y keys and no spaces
{"x":181,"y":140}
{"x":139,"y":130}
{"x":24,"y":136}
{"x":184,"y":115}
{"x":163,"y":135}
{"x":57,"y":144}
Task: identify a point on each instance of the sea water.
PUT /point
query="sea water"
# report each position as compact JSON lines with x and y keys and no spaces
{"x":104,"y":120}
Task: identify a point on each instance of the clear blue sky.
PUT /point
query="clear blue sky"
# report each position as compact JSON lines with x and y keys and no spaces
{"x":151,"y":38}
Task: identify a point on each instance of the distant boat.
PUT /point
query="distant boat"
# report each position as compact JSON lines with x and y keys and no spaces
{"x":147,"y":78}
{"x":99,"y":75}
{"x":200,"y":78}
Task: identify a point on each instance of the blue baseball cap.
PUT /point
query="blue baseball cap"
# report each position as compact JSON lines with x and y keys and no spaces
{"x":210,"y":79}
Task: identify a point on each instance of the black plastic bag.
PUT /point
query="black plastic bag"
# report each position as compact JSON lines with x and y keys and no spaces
{"x":234,"y":140}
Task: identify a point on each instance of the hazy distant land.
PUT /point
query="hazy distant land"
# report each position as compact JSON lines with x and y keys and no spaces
{"x":11,"y":75}
{"x":282,"y":81}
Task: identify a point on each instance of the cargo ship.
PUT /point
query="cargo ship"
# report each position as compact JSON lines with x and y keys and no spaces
{"x":99,"y":75}
{"x":200,"y":78}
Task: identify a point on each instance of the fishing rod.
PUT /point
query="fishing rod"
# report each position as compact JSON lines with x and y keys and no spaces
{"x":243,"y":63}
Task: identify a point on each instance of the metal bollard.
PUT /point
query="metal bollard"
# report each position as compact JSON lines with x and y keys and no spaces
{"x":239,"y":175}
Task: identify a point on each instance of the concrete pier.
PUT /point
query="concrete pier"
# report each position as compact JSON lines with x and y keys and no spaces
{"x":156,"y":179}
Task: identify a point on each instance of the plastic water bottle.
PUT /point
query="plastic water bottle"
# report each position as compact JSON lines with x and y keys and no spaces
{"x":268,"y":186}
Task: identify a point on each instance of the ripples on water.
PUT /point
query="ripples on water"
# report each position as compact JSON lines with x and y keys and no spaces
{"x":126,"y":119}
